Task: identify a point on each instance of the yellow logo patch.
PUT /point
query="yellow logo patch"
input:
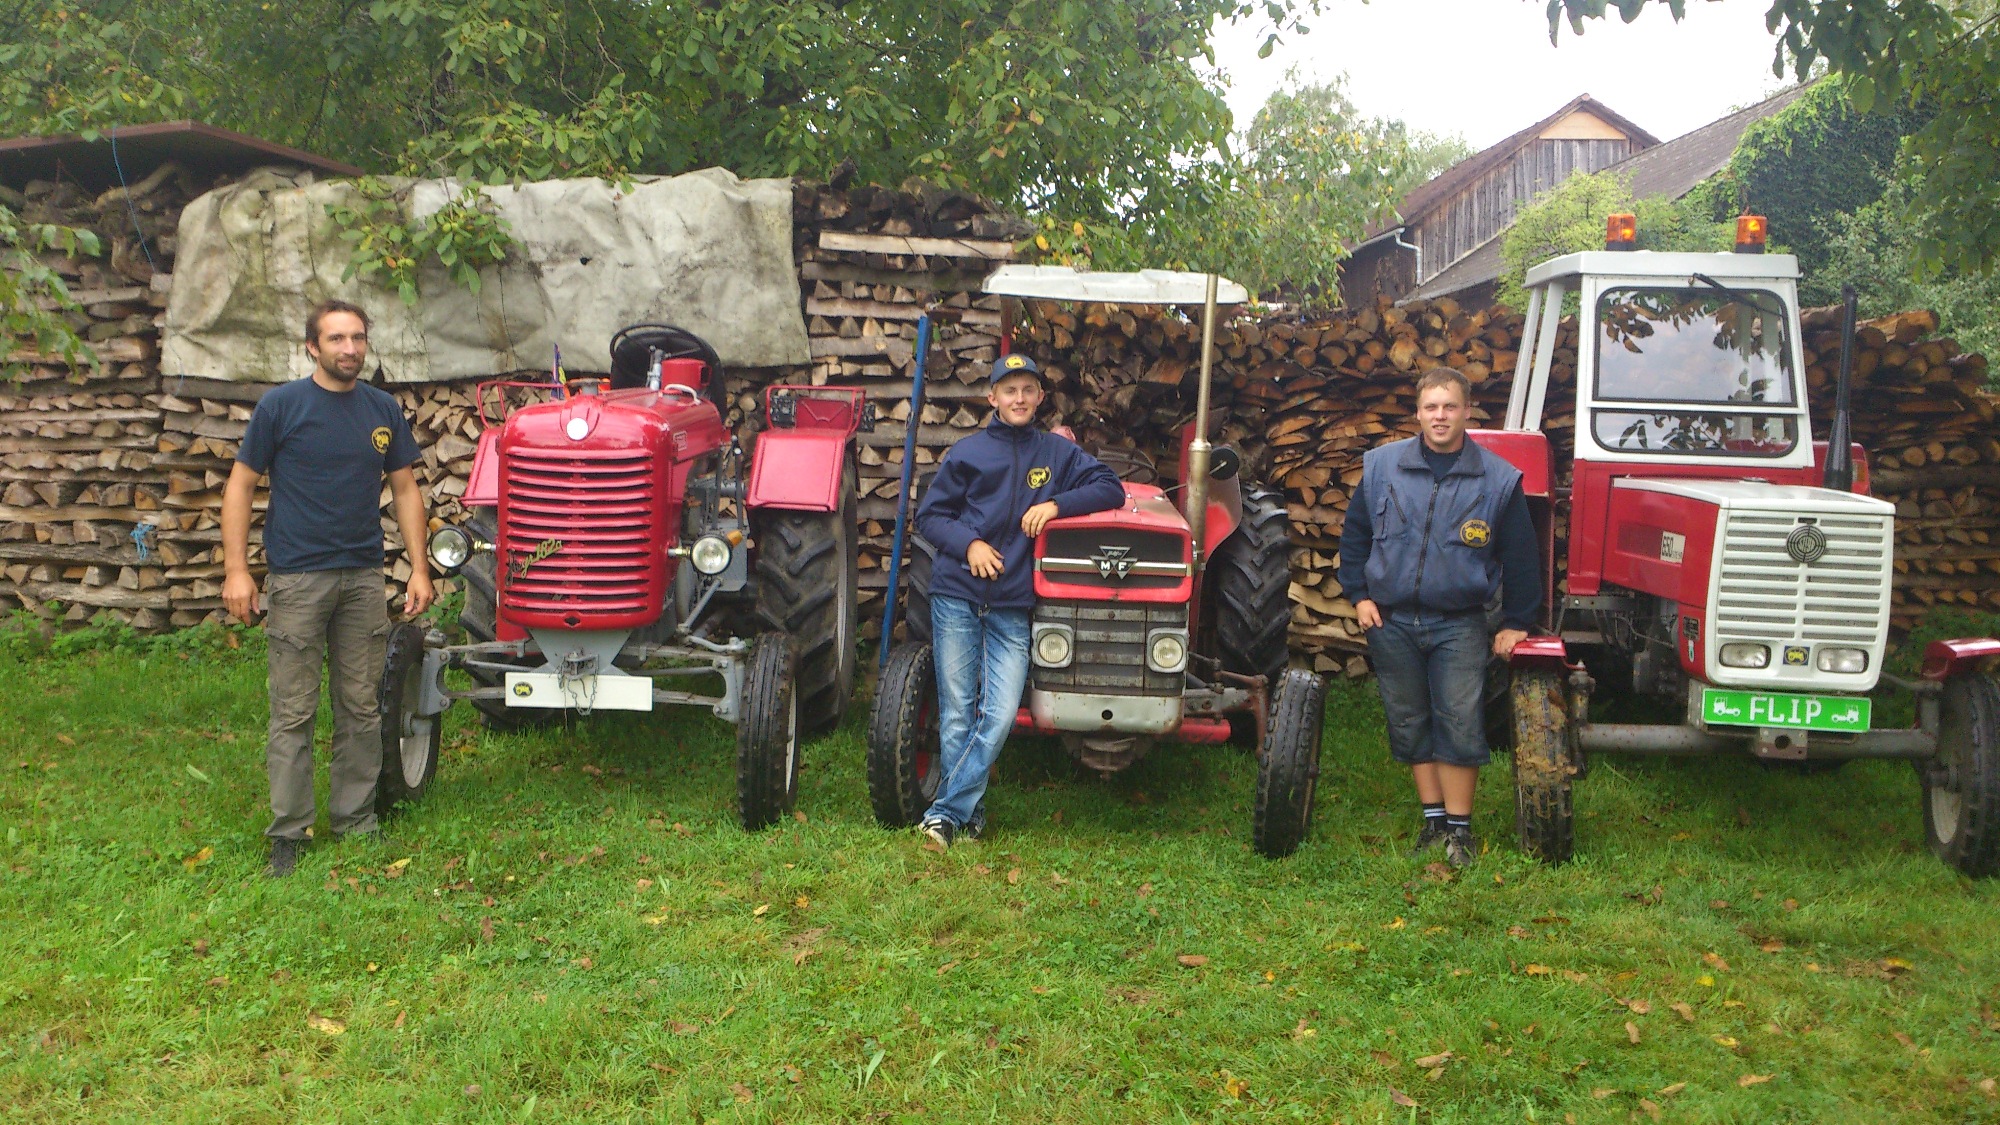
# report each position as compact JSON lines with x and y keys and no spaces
{"x":1037,"y":477}
{"x":381,"y":439}
{"x":1015,"y":362}
{"x":1475,"y":533}
{"x":524,"y":690}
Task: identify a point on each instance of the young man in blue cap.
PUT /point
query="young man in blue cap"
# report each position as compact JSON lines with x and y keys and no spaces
{"x":993,"y":493}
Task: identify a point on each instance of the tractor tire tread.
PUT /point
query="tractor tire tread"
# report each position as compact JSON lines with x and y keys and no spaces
{"x":1288,"y":769}
{"x":895,"y":724}
{"x":1544,"y":817}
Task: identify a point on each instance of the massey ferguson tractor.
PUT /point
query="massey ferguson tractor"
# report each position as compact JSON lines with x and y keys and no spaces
{"x":620,"y":558}
{"x":1160,"y":620}
{"x":1718,"y":557}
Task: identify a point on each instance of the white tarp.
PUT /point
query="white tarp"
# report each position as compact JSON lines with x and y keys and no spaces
{"x":706,"y":251}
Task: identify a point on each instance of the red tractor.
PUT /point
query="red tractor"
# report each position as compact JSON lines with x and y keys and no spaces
{"x":622,"y":556}
{"x":1718,"y":557}
{"x":1163,"y":619}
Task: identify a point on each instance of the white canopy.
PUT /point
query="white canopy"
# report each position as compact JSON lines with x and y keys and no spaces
{"x":1146,"y":287}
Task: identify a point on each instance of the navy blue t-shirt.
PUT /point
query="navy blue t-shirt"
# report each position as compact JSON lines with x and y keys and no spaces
{"x":326,"y":453}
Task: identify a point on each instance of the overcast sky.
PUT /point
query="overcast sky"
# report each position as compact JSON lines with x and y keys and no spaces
{"x":1484,"y":68}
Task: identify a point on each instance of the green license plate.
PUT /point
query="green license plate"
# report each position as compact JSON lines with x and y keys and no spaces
{"x":1782,"y":709}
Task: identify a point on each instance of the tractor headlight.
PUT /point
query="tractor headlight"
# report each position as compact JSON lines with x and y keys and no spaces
{"x":710,"y":554}
{"x":449,"y":548}
{"x":1843,"y":660}
{"x":1742,"y":655}
{"x":1053,"y":646}
{"x":1166,"y":651}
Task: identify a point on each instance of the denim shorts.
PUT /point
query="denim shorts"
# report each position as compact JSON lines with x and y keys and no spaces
{"x":1431,"y":671}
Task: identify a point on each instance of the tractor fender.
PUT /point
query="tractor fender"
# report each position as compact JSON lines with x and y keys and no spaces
{"x":482,"y":489}
{"x":1945,"y":659}
{"x":798,"y":469}
{"x":1540,"y":652}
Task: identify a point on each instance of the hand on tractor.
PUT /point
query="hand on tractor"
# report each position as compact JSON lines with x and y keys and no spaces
{"x":1367,"y":614}
{"x":1038,"y":517}
{"x":419,"y":595}
{"x":239,"y":595}
{"x":983,"y":561}
{"x":1505,"y":640}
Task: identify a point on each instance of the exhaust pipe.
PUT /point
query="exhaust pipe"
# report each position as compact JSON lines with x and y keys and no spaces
{"x":1839,"y":474}
{"x":1199,"y":449}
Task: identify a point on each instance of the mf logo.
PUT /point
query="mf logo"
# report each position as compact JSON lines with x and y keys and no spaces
{"x":1113,"y":562}
{"x":1037,"y":477}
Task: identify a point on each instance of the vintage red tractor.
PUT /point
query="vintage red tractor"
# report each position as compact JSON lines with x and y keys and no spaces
{"x":1718,"y":557}
{"x":1163,"y":619}
{"x":621,"y":557}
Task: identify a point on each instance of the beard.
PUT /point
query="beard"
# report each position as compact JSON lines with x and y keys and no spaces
{"x":332,"y":368}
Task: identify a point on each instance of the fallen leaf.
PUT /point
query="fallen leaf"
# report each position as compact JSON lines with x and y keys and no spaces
{"x":1602,"y":1092}
{"x":66,"y":740}
{"x":1718,"y":904}
{"x":800,"y":816}
{"x":1013,"y":876}
{"x":372,"y":966}
{"x":486,"y":929}
{"x":1714,"y":961}
{"x":741,"y":1091}
{"x":1989,"y":1087}
{"x":1705,"y":980}
{"x":1632,"y":1031}
{"x":679,"y":1028}
{"x":1683,"y":1010}
{"x":396,"y":869}
{"x":1575,"y":977}
{"x":1535,"y":970}
{"x":1773,"y":946}
{"x":1728,"y":1041}
{"x":1429,"y":1061}
{"x":946,"y":967}
{"x":1670,"y":1091}
{"x":642,"y":884}
{"x":801,"y":902}
{"x":981,"y":869}
{"x":325,"y":1025}
{"x":472,"y":1090}
{"x":1519,"y":931}
{"x":1439,"y":872}
{"x":1233,"y":1086}
{"x":1754,"y":1079}
{"x":1650,"y":1109}
{"x":1302,"y":1032}
{"x":198,"y":775}
{"x":593,"y":771}
{"x":762,"y":909}
{"x":654,"y":919}
{"x":1192,"y":960}
{"x":799,"y":958}
{"x":1640,"y":1007}
{"x":399,"y":1018}
{"x":1402,"y":1099}
{"x":1397,"y":924}
{"x":584,"y":963}
{"x":1386,"y":1059}
{"x":198,"y":858}
{"x":1890,"y":965}
{"x":1790,"y":905}
{"x":1145,"y":889}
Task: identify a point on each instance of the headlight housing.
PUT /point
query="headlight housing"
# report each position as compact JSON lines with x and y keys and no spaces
{"x":1845,"y":661}
{"x":1053,"y":646}
{"x":710,"y":554}
{"x":1741,"y":654}
{"x":449,"y":547}
{"x":1166,"y":650}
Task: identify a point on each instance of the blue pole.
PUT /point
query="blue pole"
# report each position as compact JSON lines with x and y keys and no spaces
{"x":909,"y":466}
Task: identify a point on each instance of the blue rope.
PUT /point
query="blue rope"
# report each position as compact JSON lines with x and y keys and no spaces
{"x":131,"y":208}
{"x":140,"y":534}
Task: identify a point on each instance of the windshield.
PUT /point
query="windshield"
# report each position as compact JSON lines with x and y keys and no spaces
{"x":1693,"y":344}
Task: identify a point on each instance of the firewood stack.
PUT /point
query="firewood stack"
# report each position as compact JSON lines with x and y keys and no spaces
{"x":90,"y":513}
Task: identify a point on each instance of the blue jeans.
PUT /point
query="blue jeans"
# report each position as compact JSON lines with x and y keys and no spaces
{"x":981,"y":656}
{"x":1431,"y":671}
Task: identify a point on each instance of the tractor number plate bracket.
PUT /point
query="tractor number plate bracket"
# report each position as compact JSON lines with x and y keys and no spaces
{"x":1844,"y":714}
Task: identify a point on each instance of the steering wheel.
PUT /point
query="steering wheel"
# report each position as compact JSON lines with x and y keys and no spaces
{"x":633,"y":350}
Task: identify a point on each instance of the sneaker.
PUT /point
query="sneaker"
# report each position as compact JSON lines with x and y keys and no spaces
{"x":285,"y":854}
{"x":1428,"y":837}
{"x":973,"y":829}
{"x":939,"y":830}
{"x":1461,"y":848}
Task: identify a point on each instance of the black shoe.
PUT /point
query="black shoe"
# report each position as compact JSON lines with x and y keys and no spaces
{"x":1429,"y":836}
{"x":973,"y":829}
{"x":939,"y":830}
{"x":285,"y":853}
{"x":1461,"y":847}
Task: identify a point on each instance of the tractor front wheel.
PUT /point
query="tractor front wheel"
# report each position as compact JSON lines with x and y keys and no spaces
{"x":1288,"y":768}
{"x":807,"y":578}
{"x":409,"y":741}
{"x":1962,"y":784}
{"x":767,"y":734}
{"x":1543,"y":816}
{"x":903,"y":755}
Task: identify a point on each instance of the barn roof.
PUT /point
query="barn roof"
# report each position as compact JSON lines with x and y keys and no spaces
{"x":96,"y":164}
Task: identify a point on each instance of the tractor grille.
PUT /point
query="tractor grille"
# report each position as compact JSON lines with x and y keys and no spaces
{"x":1766,"y":595}
{"x":600,"y":509}
{"x":1084,"y":556}
{"x":1110,"y":654}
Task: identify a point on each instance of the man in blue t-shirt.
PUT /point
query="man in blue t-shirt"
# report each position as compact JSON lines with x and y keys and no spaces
{"x":327,"y":442}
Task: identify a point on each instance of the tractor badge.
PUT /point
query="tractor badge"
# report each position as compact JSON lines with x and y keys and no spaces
{"x":1795,"y":656}
{"x":544,"y":549}
{"x":1806,"y":543}
{"x":1037,"y":477}
{"x":1475,"y":533}
{"x":1113,"y":562}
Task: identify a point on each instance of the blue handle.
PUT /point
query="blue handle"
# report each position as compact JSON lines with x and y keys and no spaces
{"x":903,"y":494}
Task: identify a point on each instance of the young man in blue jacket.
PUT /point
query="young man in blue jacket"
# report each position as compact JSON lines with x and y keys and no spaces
{"x":993,"y":493}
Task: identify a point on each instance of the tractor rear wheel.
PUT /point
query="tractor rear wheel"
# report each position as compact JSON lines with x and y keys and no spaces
{"x":409,"y":742}
{"x":767,"y":734}
{"x":1543,"y":816}
{"x":478,"y":616}
{"x":903,"y":755}
{"x":1962,"y":784}
{"x":918,"y":559}
{"x":1288,"y":769}
{"x":1252,"y":589}
{"x":807,"y":575}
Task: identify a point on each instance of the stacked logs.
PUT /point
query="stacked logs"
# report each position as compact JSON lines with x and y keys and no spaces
{"x":90,"y":514}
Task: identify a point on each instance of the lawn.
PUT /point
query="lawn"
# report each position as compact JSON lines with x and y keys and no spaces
{"x":572,"y":928}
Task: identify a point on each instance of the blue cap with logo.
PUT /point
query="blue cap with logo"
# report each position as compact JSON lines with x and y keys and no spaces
{"x":1015,"y":364}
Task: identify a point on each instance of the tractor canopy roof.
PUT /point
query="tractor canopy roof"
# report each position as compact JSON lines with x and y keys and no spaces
{"x":1144,"y":287}
{"x":1664,"y":264}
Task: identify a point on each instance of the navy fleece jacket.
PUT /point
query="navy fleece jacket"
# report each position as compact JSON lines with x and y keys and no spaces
{"x":983,"y":487}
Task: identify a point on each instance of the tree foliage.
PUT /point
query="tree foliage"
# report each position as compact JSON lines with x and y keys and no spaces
{"x":1942,"y":55}
{"x":1875,"y":247}
{"x":33,"y":296}
{"x":1569,"y":218}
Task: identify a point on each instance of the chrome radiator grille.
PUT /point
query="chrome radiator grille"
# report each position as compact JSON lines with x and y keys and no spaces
{"x":1110,"y":654}
{"x":1767,"y":595}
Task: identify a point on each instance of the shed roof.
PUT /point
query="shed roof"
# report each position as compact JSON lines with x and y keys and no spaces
{"x":207,"y":150}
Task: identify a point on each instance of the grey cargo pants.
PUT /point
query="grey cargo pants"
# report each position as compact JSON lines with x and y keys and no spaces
{"x":344,"y":615}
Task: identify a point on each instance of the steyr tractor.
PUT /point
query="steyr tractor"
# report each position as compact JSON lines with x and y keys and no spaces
{"x":619,"y":557}
{"x":1718,"y":557}
{"x":1162,"y":619}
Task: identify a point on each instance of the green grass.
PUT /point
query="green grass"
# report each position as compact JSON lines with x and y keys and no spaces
{"x":582,"y":934}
